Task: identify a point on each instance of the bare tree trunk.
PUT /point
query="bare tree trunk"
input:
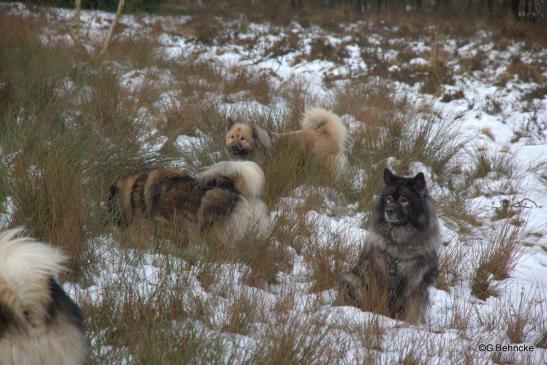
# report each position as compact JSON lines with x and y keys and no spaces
{"x":360,"y":6}
{"x":108,"y":39}
{"x":76,"y":22}
{"x":515,"y":8}
{"x":297,"y":4}
{"x":526,"y":9}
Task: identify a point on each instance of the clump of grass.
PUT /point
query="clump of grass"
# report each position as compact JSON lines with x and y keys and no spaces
{"x":257,"y":85}
{"x":487,"y":162}
{"x":265,"y":260}
{"x":452,"y":95}
{"x":322,"y":49}
{"x":517,"y":318}
{"x":460,"y":317}
{"x":124,"y":309}
{"x":496,"y":260}
{"x":242,"y":313}
{"x":450,"y":266}
{"x":62,"y":161}
{"x":295,"y":341}
{"x":473,"y":63}
{"x":394,"y":127}
{"x":482,"y":284}
{"x":536,"y":93}
{"x":437,"y":73}
{"x":136,"y":52}
{"x":328,"y":262}
{"x":528,"y":72}
{"x":370,"y":333}
{"x":285,"y":45}
{"x":205,"y":29}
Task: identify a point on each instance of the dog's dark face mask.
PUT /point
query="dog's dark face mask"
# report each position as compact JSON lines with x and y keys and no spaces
{"x":402,"y":197}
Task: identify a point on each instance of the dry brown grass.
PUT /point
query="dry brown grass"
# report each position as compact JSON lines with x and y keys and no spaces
{"x":493,"y":164}
{"x":293,"y":341}
{"x":65,"y":148}
{"x":461,"y":317}
{"x":370,"y":334}
{"x":496,"y":260}
{"x":64,"y":160}
{"x":255,"y":84}
{"x":528,"y":72}
{"x":322,"y":49}
{"x":516,"y":319}
{"x":394,"y":127}
{"x":451,"y":268}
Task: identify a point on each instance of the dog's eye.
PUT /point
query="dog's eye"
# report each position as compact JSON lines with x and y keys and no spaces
{"x":403,"y":200}
{"x":389,"y":199}
{"x":243,"y":138}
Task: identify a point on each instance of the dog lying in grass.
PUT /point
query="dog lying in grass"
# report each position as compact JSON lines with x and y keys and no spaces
{"x":322,"y":138}
{"x":224,"y":199}
{"x":39,"y":323}
{"x":399,"y":261}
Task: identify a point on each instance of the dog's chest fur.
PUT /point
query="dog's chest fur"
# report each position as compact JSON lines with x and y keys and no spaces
{"x":401,"y":276}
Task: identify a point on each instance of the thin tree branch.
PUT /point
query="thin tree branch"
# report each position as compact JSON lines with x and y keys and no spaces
{"x":108,"y":39}
{"x":76,"y":22}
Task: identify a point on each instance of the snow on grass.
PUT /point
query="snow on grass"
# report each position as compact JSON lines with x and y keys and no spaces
{"x":500,"y":110}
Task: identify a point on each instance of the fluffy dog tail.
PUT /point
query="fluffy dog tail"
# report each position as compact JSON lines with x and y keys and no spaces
{"x":26,"y":267}
{"x":321,"y":119}
{"x":250,"y":215}
{"x":247,"y":177}
{"x":39,"y":323}
{"x":317,"y":118}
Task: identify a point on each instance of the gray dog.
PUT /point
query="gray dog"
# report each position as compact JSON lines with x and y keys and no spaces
{"x":399,"y":261}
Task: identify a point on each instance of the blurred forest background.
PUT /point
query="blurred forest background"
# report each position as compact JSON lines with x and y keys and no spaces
{"x":285,"y":10}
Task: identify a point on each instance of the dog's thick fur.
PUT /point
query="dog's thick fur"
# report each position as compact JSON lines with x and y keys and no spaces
{"x":39,"y":323}
{"x":399,"y":260}
{"x":224,"y":199}
{"x":322,"y":138}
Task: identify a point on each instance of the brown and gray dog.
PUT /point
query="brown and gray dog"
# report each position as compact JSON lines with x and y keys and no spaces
{"x":224,"y":199}
{"x":39,"y":323}
{"x":322,"y":137}
{"x":399,"y":261}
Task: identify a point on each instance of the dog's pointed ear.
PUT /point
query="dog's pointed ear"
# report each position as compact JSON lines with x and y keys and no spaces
{"x":388,"y":176}
{"x":418,"y":182}
{"x":229,"y":123}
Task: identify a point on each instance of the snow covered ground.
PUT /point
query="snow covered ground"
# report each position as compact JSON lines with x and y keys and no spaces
{"x":497,"y":118}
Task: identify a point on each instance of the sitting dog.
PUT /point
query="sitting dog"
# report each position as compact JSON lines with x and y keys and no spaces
{"x":399,"y":260}
{"x":39,"y":323}
{"x":322,"y":138}
{"x":224,"y":199}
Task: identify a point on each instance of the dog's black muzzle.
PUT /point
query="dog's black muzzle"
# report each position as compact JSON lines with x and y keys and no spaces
{"x":238,"y":149}
{"x":395,"y":216}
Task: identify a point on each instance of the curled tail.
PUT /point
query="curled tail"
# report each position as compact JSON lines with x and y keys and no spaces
{"x":26,"y":267}
{"x":321,"y":119}
{"x":317,"y":118}
{"x":247,"y":177}
{"x":39,"y":323}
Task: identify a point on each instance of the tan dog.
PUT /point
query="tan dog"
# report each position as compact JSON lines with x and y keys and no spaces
{"x":322,"y":138}
{"x":224,"y":199}
{"x":39,"y":323}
